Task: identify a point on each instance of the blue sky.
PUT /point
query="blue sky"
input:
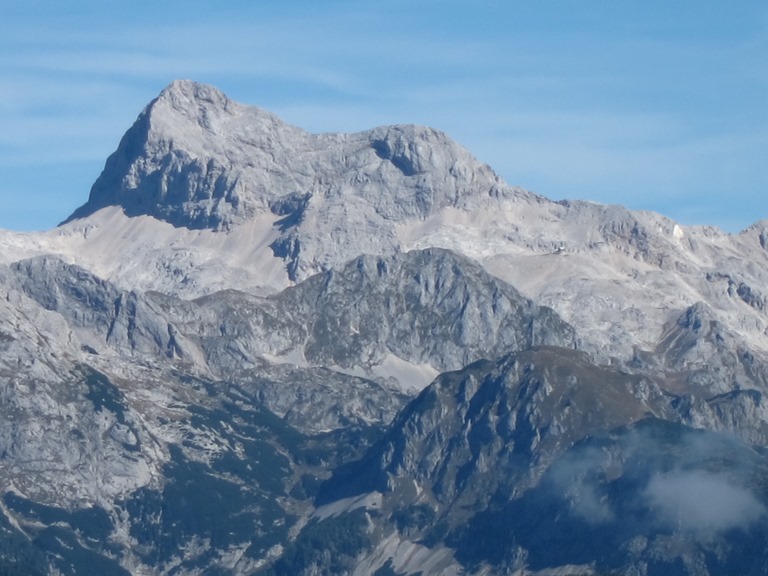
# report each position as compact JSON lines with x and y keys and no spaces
{"x":651,"y":104}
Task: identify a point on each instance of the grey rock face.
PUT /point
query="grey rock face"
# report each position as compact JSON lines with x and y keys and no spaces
{"x":319,"y":400}
{"x":197,"y":159}
{"x":374,"y":317}
{"x":127,"y":322}
{"x":424,"y":307}
{"x":697,"y":340}
{"x":59,"y":441}
{"x":503,"y":458}
{"x":158,"y":168}
{"x":135,"y":327}
{"x":516,"y":413}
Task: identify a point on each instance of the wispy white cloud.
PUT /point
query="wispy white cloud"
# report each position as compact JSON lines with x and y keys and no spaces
{"x":702,"y":503}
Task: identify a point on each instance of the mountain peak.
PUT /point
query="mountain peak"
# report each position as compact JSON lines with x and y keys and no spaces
{"x":203,"y":104}
{"x":186,"y":99}
{"x":189,"y":90}
{"x":197,"y":159}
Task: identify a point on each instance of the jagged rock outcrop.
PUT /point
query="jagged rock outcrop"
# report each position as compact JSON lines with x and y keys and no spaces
{"x":428,"y":306}
{"x":104,"y":315}
{"x":66,"y":436}
{"x":543,"y":461}
{"x":399,"y":319}
{"x":719,"y":358}
{"x":515,"y":414}
{"x":134,"y":327}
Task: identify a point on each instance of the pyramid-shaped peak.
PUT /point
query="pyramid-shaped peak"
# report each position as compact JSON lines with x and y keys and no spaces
{"x":189,"y":91}
{"x":202,"y":104}
{"x":197,"y":159}
{"x":191,"y":99}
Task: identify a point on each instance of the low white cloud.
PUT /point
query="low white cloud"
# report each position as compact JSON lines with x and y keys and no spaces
{"x":575,"y":480}
{"x":700,"y":502}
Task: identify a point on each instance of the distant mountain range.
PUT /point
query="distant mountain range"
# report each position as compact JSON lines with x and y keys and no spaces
{"x":256,"y":350}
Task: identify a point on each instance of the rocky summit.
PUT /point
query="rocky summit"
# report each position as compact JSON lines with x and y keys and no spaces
{"x":259,"y":351}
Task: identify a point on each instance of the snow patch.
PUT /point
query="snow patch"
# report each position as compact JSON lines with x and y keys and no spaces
{"x":294,"y":358}
{"x":408,"y":558}
{"x":407,"y":377}
{"x":370,"y":501}
{"x":412,"y":377}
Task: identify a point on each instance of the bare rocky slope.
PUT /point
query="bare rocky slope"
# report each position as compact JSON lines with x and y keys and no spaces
{"x":256,"y":350}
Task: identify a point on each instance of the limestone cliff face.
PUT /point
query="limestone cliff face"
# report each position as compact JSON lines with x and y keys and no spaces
{"x":198,"y":160}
